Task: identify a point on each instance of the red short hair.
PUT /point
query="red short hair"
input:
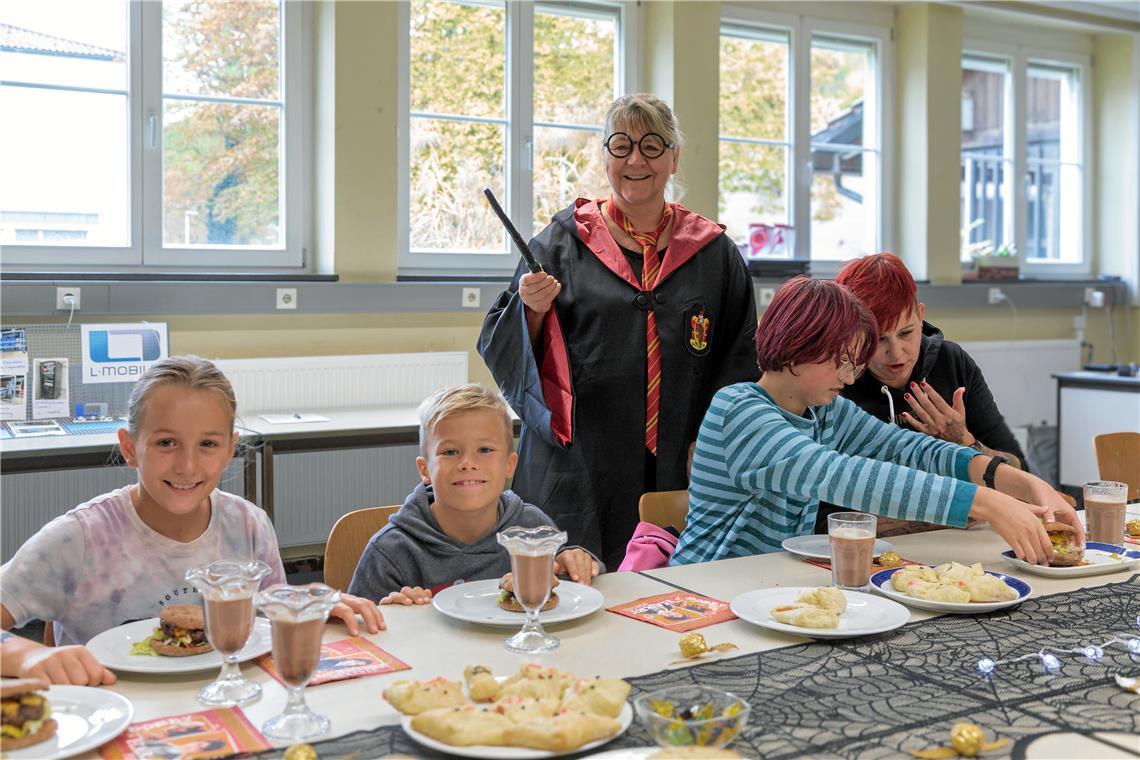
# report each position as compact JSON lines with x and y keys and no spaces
{"x":883,"y":283}
{"x":812,"y":321}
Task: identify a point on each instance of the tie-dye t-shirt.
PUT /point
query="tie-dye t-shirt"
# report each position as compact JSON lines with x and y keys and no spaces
{"x":100,"y":566}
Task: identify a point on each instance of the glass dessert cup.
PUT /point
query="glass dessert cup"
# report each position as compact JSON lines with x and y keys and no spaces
{"x":297,"y":617}
{"x":227,"y":590}
{"x":532,"y":553}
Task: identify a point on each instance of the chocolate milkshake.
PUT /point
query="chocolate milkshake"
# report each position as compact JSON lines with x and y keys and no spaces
{"x":1104,"y":510}
{"x":297,"y":648}
{"x":532,"y":577}
{"x":1105,"y":520}
{"x":228,"y":622}
{"x":852,"y":550}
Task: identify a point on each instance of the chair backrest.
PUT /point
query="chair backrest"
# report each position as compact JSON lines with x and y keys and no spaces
{"x":1118,"y":458}
{"x":664,"y":508}
{"x":347,"y":541}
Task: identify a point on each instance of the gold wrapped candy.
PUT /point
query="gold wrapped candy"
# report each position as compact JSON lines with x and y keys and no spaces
{"x":966,"y":740}
{"x":693,"y":645}
{"x":1133,"y":527}
{"x":890,"y":559}
{"x":300,"y":752}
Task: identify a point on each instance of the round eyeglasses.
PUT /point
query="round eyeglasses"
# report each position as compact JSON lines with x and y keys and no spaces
{"x":651,"y":145}
{"x":846,"y":365}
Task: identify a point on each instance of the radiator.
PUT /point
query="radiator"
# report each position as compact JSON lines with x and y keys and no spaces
{"x":313,"y":489}
{"x":285,"y":384}
{"x":1020,"y":376}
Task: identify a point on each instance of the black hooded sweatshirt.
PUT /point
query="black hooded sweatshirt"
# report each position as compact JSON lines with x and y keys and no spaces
{"x":946,"y":367}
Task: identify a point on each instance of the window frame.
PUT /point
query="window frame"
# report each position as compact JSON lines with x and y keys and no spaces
{"x":1021,"y":58}
{"x":146,"y":252}
{"x":800,"y":31}
{"x":519,"y":64}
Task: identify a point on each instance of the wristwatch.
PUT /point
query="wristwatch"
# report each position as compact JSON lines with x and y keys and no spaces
{"x":991,"y":468}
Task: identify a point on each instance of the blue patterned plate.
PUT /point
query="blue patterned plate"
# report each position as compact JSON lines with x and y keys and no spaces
{"x":881,"y":582}
{"x":1101,"y":558}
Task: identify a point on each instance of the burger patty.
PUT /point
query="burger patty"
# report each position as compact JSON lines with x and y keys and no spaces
{"x":17,"y":712}
{"x":197,"y":636}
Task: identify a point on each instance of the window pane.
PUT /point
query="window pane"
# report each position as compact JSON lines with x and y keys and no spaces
{"x":229,"y":48}
{"x":753,"y":187}
{"x":69,"y":173}
{"x":1054,"y":199}
{"x":840,"y":72}
{"x":987,"y":172}
{"x":77,"y":43}
{"x":451,"y":161}
{"x":575,"y":68}
{"x":843,"y":218}
{"x":458,"y":58}
{"x":221,"y":174}
{"x":753,"y":87}
{"x":567,"y":164}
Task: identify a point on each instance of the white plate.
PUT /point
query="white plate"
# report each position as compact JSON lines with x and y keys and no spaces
{"x":113,"y":649}
{"x":87,"y":718}
{"x":818,"y":546}
{"x":510,"y":753}
{"x":1102,"y":559}
{"x":478,"y":602}
{"x":865,"y":614}
{"x":881,"y":582}
{"x":631,"y":753}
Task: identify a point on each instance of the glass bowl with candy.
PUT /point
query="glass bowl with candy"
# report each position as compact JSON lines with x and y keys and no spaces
{"x":691,"y":715}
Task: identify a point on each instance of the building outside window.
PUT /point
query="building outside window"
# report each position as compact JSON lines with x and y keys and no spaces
{"x":1041,"y":220}
{"x":825,"y":207}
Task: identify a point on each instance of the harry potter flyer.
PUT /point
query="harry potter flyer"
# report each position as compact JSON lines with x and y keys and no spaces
{"x":348,"y":658}
{"x":194,"y":736}
{"x":678,"y":611}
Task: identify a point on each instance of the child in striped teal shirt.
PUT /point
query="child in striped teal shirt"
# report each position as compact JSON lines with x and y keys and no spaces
{"x":768,"y":452}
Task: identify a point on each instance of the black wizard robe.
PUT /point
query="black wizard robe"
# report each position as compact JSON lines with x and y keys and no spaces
{"x":581,"y":393}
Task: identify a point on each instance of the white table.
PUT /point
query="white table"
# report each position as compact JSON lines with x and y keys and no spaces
{"x":601,"y":644}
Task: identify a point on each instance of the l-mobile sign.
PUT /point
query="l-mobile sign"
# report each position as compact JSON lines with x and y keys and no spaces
{"x":121,"y":353}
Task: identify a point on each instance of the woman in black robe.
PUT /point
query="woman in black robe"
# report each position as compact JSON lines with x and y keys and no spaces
{"x":573,"y":347}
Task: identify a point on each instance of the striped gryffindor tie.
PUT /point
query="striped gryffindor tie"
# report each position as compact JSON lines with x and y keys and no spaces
{"x":650,"y":268}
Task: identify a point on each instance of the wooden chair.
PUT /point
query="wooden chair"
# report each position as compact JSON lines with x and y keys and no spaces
{"x":664,"y":508}
{"x":1118,"y":458}
{"x":347,"y":541}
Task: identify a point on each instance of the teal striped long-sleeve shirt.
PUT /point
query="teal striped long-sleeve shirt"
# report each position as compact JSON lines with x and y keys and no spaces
{"x":759,"y":473}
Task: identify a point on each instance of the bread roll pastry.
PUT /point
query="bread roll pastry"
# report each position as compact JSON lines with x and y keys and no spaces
{"x":415,"y":697}
{"x":463,"y":726}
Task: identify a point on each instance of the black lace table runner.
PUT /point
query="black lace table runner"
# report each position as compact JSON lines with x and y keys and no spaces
{"x":883,"y":696}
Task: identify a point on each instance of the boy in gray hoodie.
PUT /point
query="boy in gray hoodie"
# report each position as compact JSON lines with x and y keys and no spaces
{"x":445,"y":532}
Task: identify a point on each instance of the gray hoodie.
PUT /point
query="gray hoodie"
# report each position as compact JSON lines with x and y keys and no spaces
{"x":412,"y":550}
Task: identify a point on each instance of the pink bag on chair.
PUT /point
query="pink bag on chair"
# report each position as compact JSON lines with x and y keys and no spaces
{"x":651,"y":547}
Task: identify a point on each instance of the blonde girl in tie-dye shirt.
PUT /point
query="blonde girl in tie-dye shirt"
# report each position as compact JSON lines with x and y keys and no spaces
{"x":123,"y":556}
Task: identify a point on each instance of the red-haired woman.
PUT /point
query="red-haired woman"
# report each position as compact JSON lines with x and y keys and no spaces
{"x":944,"y":392}
{"x":768,"y":452}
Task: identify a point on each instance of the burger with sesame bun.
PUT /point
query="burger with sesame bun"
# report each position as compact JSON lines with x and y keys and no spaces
{"x":26,"y":718}
{"x":182,"y":632}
